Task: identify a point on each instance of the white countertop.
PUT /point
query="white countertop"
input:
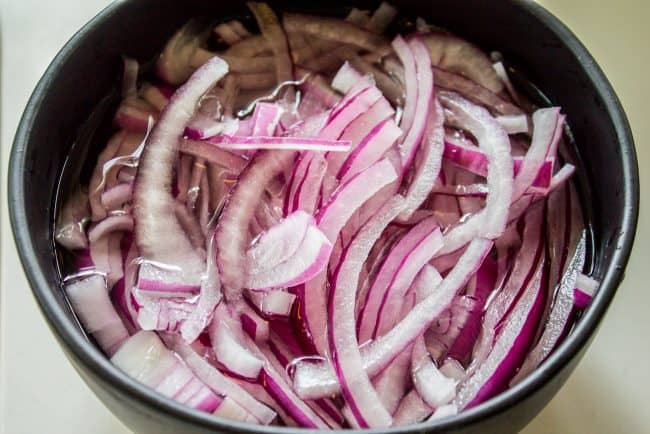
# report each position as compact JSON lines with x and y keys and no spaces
{"x":609,"y":391}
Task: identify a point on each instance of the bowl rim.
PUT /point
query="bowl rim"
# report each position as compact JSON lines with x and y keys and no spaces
{"x":84,"y":352}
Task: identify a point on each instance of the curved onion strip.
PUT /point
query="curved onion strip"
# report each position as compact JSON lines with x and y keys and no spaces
{"x":232,"y":230}
{"x":558,"y":320}
{"x":89,"y":299}
{"x":509,"y":348}
{"x":154,"y":210}
{"x":346,"y":358}
{"x":331,"y":219}
{"x":318,"y":380}
{"x":491,"y":220}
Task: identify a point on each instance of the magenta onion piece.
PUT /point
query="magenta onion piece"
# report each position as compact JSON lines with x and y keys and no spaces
{"x":153,"y":211}
{"x":514,"y":124}
{"x":490,"y":222}
{"x":428,"y":162}
{"x":144,"y":357}
{"x":370,"y":149}
{"x":423,"y":78}
{"x":231,"y":235}
{"x":559,"y":316}
{"x":395,"y":276}
{"x":362,"y":399}
{"x":228,"y":350}
{"x":433,"y":386}
{"x":509,"y":349}
{"x":406,"y":56}
{"x":311,"y":257}
{"x":279,"y":143}
{"x":272,"y":304}
{"x":545,"y":123}
{"x":412,"y":409}
{"x":113,"y":223}
{"x":89,"y":298}
{"x":115,"y":197}
{"x":265,"y":119}
{"x":317,"y":380}
{"x":221,"y":384}
{"x":254,"y":325}
{"x":585,"y":290}
{"x":209,"y":297}
{"x":331,"y":219}
{"x":279,"y":243}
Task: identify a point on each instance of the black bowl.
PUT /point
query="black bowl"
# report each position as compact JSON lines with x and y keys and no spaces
{"x":544,"y":49}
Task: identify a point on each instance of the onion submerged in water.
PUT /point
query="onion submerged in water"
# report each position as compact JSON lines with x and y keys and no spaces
{"x":323,"y":227}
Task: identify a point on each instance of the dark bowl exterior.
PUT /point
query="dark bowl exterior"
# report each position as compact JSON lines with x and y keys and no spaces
{"x":547,"y":52}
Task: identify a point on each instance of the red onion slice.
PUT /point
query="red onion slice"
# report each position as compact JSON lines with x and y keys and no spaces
{"x":509,"y":349}
{"x":232,"y":230}
{"x":154,"y":205}
{"x":91,"y":303}
{"x":311,"y":257}
{"x":279,"y":143}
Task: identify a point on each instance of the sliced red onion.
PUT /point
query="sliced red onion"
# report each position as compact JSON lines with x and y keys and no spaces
{"x":311,"y":257}
{"x":434,"y":387}
{"x":346,"y":77}
{"x":318,"y":380}
{"x":114,"y":223}
{"x":209,"y":297}
{"x":491,"y":221}
{"x":474,"y":160}
{"x":279,"y":243}
{"x":213,"y":155}
{"x":133,"y":115}
{"x":559,"y":316}
{"x":221,"y":384}
{"x":348,"y":110}
{"x":452,"y":53}
{"x":115,"y":197}
{"x":154,"y":212}
{"x":406,"y":56}
{"x":161,"y":280}
{"x":370,"y":149}
{"x":229,"y":409}
{"x":71,"y":221}
{"x":254,"y":325}
{"x":279,"y":143}
{"x":445,"y":411}
{"x":331,"y":219}
{"x":274,"y":34}
{"x":509,"y":349}
{"x":424,"y":90}
{"x":272,"y":304}
{"x":545,"y":123}
{"x":265,"y":118}
{"x":360,"y":395}
{"x":585,"y":290}
{"x":475,"y":92}
{"x":412,"y":409}
{"x":428,"y":162}
{"x":309,"y":189}
{"x":514,"y":124}
{"x":144,"y":357}
{"x":503,"y":76}
{"x":231,"y":235}
{"x":394,"y":278}
{"x":106,"y":257}
{"x":89,"y":298}
{"x":333,"y":29}
{"x":228,"y":350}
